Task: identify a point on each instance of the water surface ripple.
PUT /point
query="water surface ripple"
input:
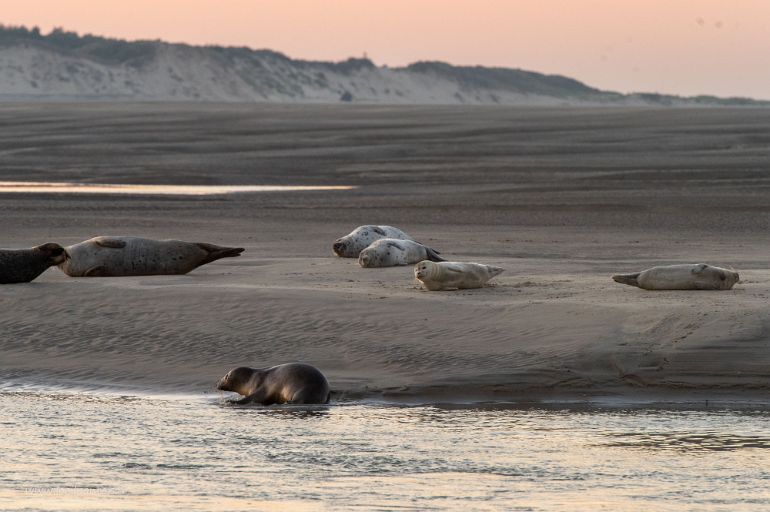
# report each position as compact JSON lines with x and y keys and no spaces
{"x":108,"y":452}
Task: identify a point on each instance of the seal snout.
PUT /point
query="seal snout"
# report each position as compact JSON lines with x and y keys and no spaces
{"x":338,"y":248}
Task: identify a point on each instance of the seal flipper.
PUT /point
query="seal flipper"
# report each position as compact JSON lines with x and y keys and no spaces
{"x":110,"y":243}
{"x":629,"y":279}
{"x":433,"y":255}
{"x":258,"y":397}
{"x":216,"y":252}
{"x":98,"y":271}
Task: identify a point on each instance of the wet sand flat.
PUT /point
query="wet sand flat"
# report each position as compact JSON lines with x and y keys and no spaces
{"x":562,"y":198}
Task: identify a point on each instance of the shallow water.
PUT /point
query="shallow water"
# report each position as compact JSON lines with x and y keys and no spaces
{"x":48,"y":187}
{"x":62,"y":450}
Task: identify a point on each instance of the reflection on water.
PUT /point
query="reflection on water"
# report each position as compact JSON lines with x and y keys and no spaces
{"x":683,"y":441}
{"x":174,"y":190}
{"x":97,"y":451}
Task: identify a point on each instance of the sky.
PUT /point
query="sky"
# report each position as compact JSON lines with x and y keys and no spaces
{"x":685,"y":47}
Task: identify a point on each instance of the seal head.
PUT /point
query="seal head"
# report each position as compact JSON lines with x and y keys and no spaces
{"x":24,"y":265}
{"x":54,"y":254}
{"x":236,"y":380}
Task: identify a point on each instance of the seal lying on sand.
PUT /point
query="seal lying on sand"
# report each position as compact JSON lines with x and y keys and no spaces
{"x":351,"y":245}
{"x":390,"y":252}
{"x":681,"y":277}
{"x":452,"y":275}
{"x":105,"y":256}
{"x":291,"y":383}
{"x":24,"y":265}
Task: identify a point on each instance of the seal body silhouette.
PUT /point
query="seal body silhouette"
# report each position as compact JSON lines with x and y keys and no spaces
{"x":24,"y":265}
{"x":291,"y":383}
{"x":351,"y":245}
{"x":453,"y":275}
{"x":106,"y":256}
{"x":391,"y":252}
{"x":681,"y":277}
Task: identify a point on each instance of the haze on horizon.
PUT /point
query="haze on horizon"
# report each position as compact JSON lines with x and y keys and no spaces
{"x":686,"y":47}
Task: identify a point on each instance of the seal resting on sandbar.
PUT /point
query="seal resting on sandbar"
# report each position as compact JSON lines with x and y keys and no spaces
{"x":390,"y":252}
{"x":24,"y":265}
{"x":112,"y":256}
{"x":681,"y":277}
{"x":454,"y":275}
{"x":291,"y":383}
{"x":351,"y":245}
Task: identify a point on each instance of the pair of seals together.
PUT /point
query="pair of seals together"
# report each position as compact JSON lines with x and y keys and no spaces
{"x":382,"y":246}
{"x":111,"y":256}
{"x":453,"y":275}
{"x":292,"y":383}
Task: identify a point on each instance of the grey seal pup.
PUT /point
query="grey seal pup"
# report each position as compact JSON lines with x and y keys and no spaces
{"x":24,"y":265}
{"x":111,"y":256}
{"x":697,"y":276}
{"x":291,"y":383}
{"x":454,"y":275}
{"x":351,"y":245}
{"x":390,"y":252}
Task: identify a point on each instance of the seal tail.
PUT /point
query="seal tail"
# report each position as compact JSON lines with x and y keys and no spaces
{"x":216,"y":252}
{"x":433,"y":255}
{"x":629,"y":279}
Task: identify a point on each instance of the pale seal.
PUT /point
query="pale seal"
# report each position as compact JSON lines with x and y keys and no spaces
{"x":681,"y":277}
{"x":453,"y":275}
{"x":291,"y":383}
{"x":390,"y":252}
{"x":24,"y":265}
{"x":351,"y":245}
{"x":129,"y":256}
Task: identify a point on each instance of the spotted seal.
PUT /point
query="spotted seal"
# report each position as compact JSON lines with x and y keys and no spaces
{"x":351,"y":245}
{"x":390,"y":252}
{"x":105,"y":256}
{"x":681,"y":277}
{"x":291,"y":383}
{"x":24,"y":265}
{"x":453,"y":275}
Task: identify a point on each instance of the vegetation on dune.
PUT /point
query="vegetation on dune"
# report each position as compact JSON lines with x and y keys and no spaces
{"x":268,"y":72}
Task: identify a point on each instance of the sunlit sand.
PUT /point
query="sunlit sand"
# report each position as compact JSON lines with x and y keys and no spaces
{"x":47,"y":187}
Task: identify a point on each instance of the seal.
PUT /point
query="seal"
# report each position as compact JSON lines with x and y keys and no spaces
{"x":453,"y":275}
{"x":351,"y":245}
{"x":24,"y":265}
{"x":129,"y":256}
{"x":681,"y":277}
{"x":291,"y":383}
{"x":390,"y":252}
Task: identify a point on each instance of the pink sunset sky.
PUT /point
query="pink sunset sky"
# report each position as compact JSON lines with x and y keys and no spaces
{"x":674,"y":46}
